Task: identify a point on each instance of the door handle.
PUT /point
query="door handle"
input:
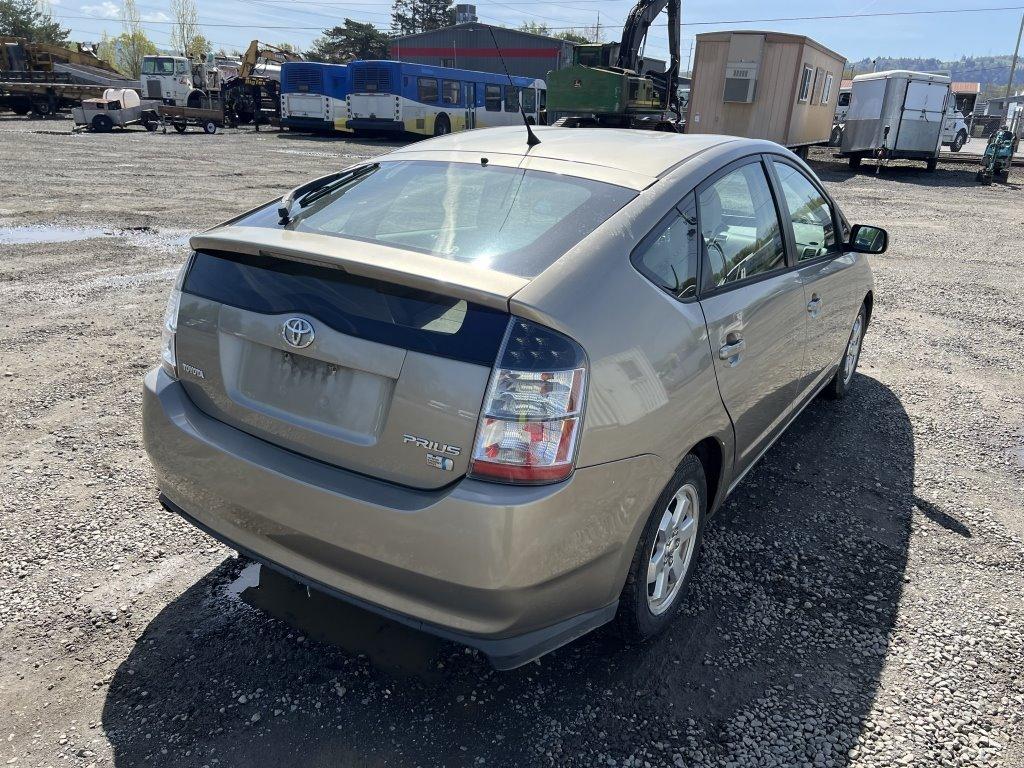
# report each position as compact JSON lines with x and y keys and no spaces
{"x":731,"y":350}
{"x":814,"y":306}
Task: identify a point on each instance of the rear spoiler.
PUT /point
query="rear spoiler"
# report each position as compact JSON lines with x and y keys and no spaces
{"x":372,"y":260}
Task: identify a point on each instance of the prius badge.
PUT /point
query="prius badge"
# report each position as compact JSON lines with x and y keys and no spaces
{"x":437,"y":453}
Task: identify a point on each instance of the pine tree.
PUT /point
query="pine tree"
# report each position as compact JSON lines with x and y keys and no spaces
{"x":411,"y":16}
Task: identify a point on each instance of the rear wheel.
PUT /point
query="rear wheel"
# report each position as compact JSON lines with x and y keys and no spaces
{"x":20,"y":106}
{"x":666,"y":555}
{"x":42,"y":108}
{"x":180,"y":127}
{"x":102,"y":124}
{"x":209,"y":127}
{"x":840,"y":384}
{"x":855,"y":162}
{"x":836,"y":137}
{"x":442,"y":125}
{"x":958,"y":142}
{"x":931,"y":164}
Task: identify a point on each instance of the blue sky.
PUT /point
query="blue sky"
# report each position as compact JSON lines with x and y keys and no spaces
{"x":232,"y":23}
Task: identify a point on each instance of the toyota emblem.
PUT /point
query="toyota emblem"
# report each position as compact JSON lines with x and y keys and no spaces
{"x":298,"y":332}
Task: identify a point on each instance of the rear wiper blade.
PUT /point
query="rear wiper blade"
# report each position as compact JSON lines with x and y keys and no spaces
{"x":317,"y":188}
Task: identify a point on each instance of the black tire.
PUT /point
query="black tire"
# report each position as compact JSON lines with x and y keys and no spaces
{"x":42,"y":108}
{"x":21,"y":106}
{"x":855,"y":162}
{"x":843,"y":380}
{"x":102,"y":124}
{"x":958,"y":142}
{"x":931,"y":164}
{"x":209,"y":127}
{"x":180,"y":127}
{"x":442,"y":125}
{"x":836,"y":137}
{"x":636,"y":620}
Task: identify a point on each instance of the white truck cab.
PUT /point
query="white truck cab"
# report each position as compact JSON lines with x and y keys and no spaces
{"x":177,"y":80}
{"x":955,"y":131}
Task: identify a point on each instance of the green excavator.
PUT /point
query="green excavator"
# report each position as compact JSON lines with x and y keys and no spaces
{"x":605,"y":86}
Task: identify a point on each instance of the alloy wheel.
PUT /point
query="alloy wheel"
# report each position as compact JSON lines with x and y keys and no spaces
{"x":672,"y":549}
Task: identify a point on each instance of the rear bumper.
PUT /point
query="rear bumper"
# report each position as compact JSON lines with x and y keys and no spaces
{"x":513,"y":571}
{"x":308,"y":123}
{"x":374,"y":124}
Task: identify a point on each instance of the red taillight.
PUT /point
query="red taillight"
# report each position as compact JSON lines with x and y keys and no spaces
{"x":531,"y":418}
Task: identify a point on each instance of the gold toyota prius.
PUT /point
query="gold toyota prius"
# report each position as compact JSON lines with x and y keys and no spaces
{"x":495,"y":391}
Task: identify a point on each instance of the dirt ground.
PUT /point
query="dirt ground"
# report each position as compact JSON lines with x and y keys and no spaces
{"x":860,"y":596}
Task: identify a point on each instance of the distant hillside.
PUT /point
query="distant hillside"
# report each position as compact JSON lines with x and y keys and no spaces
{"x":990,"y":71}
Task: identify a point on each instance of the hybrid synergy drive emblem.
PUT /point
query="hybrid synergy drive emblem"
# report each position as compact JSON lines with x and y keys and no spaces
{"x":298,"y":332}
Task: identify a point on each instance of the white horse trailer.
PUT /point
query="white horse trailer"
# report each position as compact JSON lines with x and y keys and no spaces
{"x":896,"y":114}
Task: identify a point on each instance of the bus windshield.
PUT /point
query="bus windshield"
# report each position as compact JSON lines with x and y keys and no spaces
{"x":507,"y":219}
{"x":158,"y":65}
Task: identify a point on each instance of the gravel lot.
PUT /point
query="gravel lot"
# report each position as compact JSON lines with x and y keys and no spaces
{"x":860,"y":600}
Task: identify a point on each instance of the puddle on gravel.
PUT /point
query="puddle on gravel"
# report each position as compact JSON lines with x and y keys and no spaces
{"x":35,"y":234}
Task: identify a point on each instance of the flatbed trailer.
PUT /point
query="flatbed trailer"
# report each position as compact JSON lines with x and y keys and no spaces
{"x":43,"y":97}
{"x":180,"y":118}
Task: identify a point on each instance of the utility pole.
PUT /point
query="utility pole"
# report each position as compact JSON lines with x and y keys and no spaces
{"x":597,"y":28}
{"x":1013,"y":65}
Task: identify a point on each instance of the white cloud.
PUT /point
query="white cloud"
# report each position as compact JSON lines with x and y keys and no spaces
{"x":158,"y":16}
{"x":105,"y":10}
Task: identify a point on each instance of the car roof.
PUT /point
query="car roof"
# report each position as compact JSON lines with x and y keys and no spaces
{"x":639,"y":153}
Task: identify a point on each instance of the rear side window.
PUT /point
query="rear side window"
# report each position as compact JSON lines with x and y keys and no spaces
{"x":508,"y":219}
{"x":369,"y":309}
{"x":492,"y":98}
{"x":426,"y":89}
{"x":810,"y":214}
{"x":740,"y":227}
{"x":669,"y":255}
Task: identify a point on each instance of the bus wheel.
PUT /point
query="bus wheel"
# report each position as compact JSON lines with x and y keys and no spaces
{"x":442,"y":126}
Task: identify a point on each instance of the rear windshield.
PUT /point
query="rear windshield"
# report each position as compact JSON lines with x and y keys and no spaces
{"x":507,"y":219}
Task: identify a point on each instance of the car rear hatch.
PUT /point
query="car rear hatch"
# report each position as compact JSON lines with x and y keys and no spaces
{"x":353,"y":354}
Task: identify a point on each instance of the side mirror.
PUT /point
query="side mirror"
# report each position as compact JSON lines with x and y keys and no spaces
{"x":868,"y":239}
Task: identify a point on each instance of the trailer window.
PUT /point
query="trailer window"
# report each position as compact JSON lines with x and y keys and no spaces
{"x":826,"y":89}
{"x":492,"y":98}
{"x":511,"y":98}
{"x":450,"y":91}
{"x":426,"y":89}
{"x":806,"y":81}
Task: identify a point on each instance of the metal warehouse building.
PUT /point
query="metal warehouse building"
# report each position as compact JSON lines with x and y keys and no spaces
{"x":470,"y":46}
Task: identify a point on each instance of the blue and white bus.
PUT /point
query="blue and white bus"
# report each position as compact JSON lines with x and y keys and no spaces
{"x":395,"y":96}
{"x":313,"y":96}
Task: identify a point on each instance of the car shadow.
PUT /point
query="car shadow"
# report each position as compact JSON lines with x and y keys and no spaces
{"x":780,"y":646}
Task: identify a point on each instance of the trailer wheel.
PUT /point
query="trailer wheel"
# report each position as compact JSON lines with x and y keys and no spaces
{"x":209,"y":127}
{"x":855,"y":162}
{"x":20,"y":106}
{"x":931,"y":164}
{"x":102,"y":124}
{"x":42,"y":108}
{"x":180,"y":127}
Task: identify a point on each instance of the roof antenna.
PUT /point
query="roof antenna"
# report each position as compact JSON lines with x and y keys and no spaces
{"x":531,"y":137}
